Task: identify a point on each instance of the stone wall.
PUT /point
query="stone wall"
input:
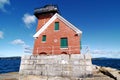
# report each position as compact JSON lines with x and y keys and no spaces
{"x":74,"y":65}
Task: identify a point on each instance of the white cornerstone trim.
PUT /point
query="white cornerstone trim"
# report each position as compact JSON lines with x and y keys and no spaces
{"x":51,"y":20}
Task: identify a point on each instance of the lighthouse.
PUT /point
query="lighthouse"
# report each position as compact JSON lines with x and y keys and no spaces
{"x":54,"y":34}
{"x":55,"y":38}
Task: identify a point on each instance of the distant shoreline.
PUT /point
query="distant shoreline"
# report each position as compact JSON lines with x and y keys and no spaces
{"x":9,"y":58}
{"x":19,"y":57}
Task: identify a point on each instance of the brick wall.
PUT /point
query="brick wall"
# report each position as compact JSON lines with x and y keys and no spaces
{"x":53,"y":40}
{"x":42,"y":19}
{"x":74,"y":65}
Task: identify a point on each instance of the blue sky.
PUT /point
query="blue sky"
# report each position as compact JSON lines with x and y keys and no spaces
{"x":98,"y":19}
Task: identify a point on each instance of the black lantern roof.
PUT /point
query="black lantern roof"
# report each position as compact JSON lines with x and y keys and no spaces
{"x":46,"y":9}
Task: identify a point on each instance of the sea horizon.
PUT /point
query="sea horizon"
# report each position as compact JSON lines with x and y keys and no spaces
{"x":92,"y":57}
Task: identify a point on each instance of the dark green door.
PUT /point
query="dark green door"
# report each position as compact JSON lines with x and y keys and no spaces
{"x":64,"y":43}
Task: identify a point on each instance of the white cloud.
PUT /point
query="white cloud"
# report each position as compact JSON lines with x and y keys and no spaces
{"x":29,"y":19}
{"x":3,"y":3}
{"x":27,"y":48}
{"x":104,"y":53}
{"x":18,"y":42}
{"x":97,"y":51}
{"x":1,"y":35}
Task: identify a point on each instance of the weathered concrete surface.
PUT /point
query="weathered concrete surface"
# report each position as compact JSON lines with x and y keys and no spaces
{"x":113,"y":73}
{"x":15,"y":76}
{"x":62,"y":67}
{"x":74,"y":65}
{"x":9,"y":76}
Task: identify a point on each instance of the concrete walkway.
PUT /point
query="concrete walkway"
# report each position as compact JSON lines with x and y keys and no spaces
{"x":15,"y":76}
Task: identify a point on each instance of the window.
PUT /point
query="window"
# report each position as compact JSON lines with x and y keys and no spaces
{"x":44,"y":38}
{"x":64,"y":43}
{"x":56,"y":26}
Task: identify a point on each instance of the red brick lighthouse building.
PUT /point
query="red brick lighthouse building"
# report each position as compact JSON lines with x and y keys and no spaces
{"x":54,"y":34}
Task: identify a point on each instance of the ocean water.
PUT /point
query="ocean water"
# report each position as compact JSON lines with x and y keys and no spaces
{"x":107,"y":62}
{"x":12,"y":65}
{"x":9,"y":65}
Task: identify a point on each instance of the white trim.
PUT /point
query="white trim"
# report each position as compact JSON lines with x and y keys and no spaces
{"x":69,"y":24}
{"x":56,"y":30}
{"x":64,"y":48}
{"x":43,"y":41}
{"x":51,"y":20}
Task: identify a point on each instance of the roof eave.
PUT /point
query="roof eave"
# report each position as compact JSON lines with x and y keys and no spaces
{"x":79,"y":32}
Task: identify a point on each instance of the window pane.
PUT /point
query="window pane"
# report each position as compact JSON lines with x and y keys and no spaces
{"x":64,"y":43}
{"x":44,"y":38}
{"x":56,"y":25}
